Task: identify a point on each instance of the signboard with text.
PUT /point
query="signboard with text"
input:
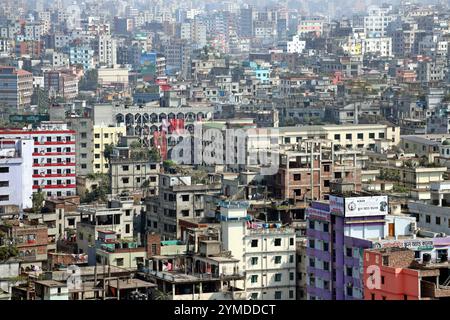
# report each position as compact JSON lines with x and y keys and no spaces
{"x":359,"y":206}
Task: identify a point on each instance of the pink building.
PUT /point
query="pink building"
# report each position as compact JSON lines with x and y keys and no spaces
{"x":393,"y":274}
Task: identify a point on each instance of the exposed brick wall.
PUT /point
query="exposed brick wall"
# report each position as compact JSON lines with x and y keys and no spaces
{"x":153,"y":239}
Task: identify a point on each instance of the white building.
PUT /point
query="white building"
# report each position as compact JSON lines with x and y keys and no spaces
{"x":382,"y":46}
{"x":376,"y":23}
{"x":53,"y":158}
{"x":267,"y":254}
{"x":296,"y":45}
{"x":15,"y":172}
{"x":107,"y":50}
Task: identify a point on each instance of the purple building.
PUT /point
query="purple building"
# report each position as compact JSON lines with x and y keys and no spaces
{"x":338,"y":231}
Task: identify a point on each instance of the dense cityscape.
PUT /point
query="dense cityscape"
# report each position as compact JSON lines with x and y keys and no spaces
{"x":224,"y":150}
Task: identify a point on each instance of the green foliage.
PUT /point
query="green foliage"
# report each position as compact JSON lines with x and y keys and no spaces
{"x":90,"y":81}
{"x":107,"y":153}
{"x":101,"y":191}
{"x":168,"y":163}
{"x":8,"y":252}
{"x":153,"y":155}
{"x":38,"y":201}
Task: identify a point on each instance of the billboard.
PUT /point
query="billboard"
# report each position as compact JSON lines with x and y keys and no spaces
{"x":412,"y":244}
{"x":366,"y":206}
{"x":359,"y":206}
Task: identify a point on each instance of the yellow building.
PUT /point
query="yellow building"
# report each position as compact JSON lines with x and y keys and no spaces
{"x":103,"y":136}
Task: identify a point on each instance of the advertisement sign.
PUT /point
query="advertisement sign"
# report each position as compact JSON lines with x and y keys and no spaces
{"x":412,"y":244}
{"x":316,"y":214}
{"x":366,"y":206}
{"x":337,"y":205}
{"x":31,"y":118}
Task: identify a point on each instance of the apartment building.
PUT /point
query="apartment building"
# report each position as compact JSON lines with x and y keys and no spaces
{"x":15,"y":172}
{"x":16,"y":88}
{"x":307,"y":171}
{"x":132,"y":174}
{"x":53,"y":157}
{"x":84,"y":146}
{"x":400,"y":276}
{"x":350,"y":136}
{"x":106,"y":50}
{"x":266,"y":252}
{"x":338,"y":231}
{"x":31,"y":241}
{"x":82,"y":56}
{"x":116,"y":216}
{"x":178,"y":197}
{"x":103,"y":136}
{"x":61,"y":84}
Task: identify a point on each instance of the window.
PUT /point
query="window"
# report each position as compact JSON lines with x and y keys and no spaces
{"x":311,"y":224}
{"x":349,"y":252}
{"x":185,"y":213}
{"x":291,"y":294}
{"x":312,"y":262}
{"x":125,"y":168}
{"x":4,"y":169}
{"x":278,"y":295}
{"x":127,"y":228}
{"x":119,"y":262}
{"x":337,"y":137}
{"x":312,"y":243}
{"x":254,"y":261}
{"x":291,"y":241}
{"x":349,"y":291}
{"x":277,"y":277}
{"x":277,"y":242}
{"x":428,"y":218}
{"x":325,"y":246}
{"x":297,"y":177}
{"x":4,"y":197}
{"x":326,"y":266}
{"x":291,"y":276}
{"x":254,"y":243}
{"x":360,"y":136}
{"x":371,"y":135}
{"x":349,"y":271}
{"x":4,"y":183}
{"x":97,"y":136}
{"x":125,"y":180}
{"x":254,"y":278}
{"x":382,"y":279}
{"x":291,"y":258}
{"x":277,"y":259}
{"x":348,"y":136}
{"x":325,"y":227}
{"x":381,"y":135}
{"x":185,"y":197}
{"x":438,"y":220}
{"x":97,"y":146}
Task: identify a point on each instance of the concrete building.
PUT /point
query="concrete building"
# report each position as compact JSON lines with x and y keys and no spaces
{"x":61,"y":84}
{"x":338,"y":232}
{"x":51,"y":290}
{"x":266,"y":253}
{"x":179,"y":197}
{"x":15,"y":173}
{"x":103,"y":136}
{"x":116,"y":216}
{"x":84,"y":147}
{"x":16,"y":88}
{"x":113,"y":76}
{"x":82,"y":56}
{"x":54,"y":166}
{"x":394,"y":274}
{"x":31,"y":241}
{"x":106,"y":49}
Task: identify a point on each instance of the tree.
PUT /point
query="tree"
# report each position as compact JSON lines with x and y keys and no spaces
{"x":107,"y":153}
{"x":161,"y":295}
{"x":38,"y":201}
{"x":153,"y":155}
